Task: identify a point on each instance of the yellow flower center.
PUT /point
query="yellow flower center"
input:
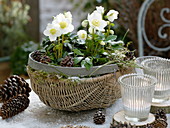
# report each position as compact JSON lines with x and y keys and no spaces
{"x":96,"y":22}
{"x":83,"y":36}
{"x":63,"y":24}
{"x":53,"y":31}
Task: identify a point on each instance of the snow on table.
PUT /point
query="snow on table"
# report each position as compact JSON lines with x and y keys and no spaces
{"x":38,"y":115}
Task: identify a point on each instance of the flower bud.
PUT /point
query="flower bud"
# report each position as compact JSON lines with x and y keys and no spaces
{"x":112,"y":15}
{"x":82,"y":34}
{"x":84,"y":23}
{"x":111,"y":32}
{"x":102,"y":43}
{"x":92,"y":30}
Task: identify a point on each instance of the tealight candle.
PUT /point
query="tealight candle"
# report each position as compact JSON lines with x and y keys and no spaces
{"x":159,"y":68}
{"x":134,"y":107}
{"x":137,"y":91}
{"x":139,"y":60}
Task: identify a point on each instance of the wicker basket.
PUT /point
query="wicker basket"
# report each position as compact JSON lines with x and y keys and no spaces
{"x":75,"y":95}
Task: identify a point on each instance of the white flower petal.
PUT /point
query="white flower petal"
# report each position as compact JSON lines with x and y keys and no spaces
{"x":112,"y":15}
{"x":52,"y":37}
{"x":46,"y":32}
{"x":68,"y":15}
{"x":84,"y":23}
{"x":100,"y":9}
{"x":97,"y":15}
{"x":49,"y":26}
{"x":71,"y":28}
{"x":60,"y":17}
{"x":102,"y":26}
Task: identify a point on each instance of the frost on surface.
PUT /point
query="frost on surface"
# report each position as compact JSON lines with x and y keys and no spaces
{"x":38,"y":115}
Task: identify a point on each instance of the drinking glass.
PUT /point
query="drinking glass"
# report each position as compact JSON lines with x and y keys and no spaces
{"x":159,"y":68}
{"x":137,"y":91}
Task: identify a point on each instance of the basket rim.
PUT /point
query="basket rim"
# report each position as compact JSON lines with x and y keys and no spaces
{"x":71,"y":71}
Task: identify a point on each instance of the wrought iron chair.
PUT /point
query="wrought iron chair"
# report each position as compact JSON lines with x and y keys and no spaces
{"x":142,"y":37}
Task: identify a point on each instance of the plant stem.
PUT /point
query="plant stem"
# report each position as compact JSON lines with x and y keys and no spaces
{"x":125,"y":35}
{"x":93,"y":40}
{"x":108,"y":31}
{"x":58,"y":48}
{"x":62,"y":45}
{"x":95,"y":51}
{"x":54,"y":49}
{"x":110,"y":62}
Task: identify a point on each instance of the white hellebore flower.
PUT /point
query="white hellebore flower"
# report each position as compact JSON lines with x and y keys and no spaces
{"x":102,"y":43}
{"x":96,"y":21}
{"x":84,"y":23}
{"x":112,"y":15}
{"x":68,"y":15}
{"x":82,"y":34}
{"x":64,"y":23}
{"x":52,"y":31}
{"x":100,"y":9}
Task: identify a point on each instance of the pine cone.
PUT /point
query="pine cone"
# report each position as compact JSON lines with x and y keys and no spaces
{"x":14,"y":106}
{"x":67,"y":62}
{"x":99,"y":117}
{"x":37,"y":55}
{"x":45,"y":59}
{"x":160,"y":114}
{"x":160,"y":123}
{"x":13,"y":86}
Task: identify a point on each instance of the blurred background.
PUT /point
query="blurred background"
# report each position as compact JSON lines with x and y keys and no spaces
{"x":22,"y":23}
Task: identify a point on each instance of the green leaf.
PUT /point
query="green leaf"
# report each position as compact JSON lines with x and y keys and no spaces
{"x":68,"y":45}
{"x":111,"y":37}
{"x":77,"y":60}
{"x":83,"y":63}
{"x":88,"y":66}
{"x":87,"y":63}
{"x":78,"y":52}
{"x":50,"y":47}
{"x":57,"y":46}
{"x":66,"y":41}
